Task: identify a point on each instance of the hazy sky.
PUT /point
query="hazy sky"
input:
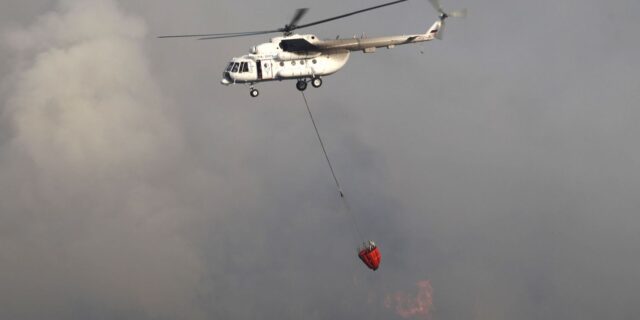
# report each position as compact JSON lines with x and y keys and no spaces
{"x":499,"y":171}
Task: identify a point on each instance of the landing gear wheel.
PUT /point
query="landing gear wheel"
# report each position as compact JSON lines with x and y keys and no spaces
{"x":316,"y":82}
{"x":301,"y":85}
{"x":254,"y":92}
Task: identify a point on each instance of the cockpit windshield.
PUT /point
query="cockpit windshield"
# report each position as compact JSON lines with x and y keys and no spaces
{"x":240,"y":67}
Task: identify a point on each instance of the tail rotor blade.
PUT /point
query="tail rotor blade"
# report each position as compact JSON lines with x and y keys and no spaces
{"x":459,"y":13}
{"x":456,"y":14}
{"x":436,"y":5}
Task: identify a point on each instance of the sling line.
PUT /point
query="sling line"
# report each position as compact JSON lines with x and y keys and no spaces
{"x":335,"y":179}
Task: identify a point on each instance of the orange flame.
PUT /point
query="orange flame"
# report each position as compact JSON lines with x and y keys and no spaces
{"x":408,"y":306}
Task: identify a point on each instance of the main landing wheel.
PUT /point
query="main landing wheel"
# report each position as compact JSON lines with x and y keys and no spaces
{"x":254,"y":92}
{"x":316,"y":82}
{"x":301,"y":85}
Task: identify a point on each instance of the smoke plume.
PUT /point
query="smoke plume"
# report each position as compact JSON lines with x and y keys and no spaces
{"x":89,"y":153}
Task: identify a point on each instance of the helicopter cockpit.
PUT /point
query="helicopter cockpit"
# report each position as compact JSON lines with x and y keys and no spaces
{"x":236,"y":70}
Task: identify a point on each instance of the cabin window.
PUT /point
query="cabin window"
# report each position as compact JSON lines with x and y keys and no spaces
{"x":301,"y":61}
{"x":245,"y":67}
{"x":314,"y":61}
{"x":235,"y":67}
{"x":282,"y":63}
{"x":293,"y":63}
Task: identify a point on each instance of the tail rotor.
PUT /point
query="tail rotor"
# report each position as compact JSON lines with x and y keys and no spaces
{"x":444,"y":15}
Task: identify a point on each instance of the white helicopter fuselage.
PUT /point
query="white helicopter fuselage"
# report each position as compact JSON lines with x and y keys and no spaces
{"x":279,"y":65}
{"x":307,"y":57}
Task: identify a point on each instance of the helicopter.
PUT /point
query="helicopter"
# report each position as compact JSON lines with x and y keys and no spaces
{"x":305,"y":57}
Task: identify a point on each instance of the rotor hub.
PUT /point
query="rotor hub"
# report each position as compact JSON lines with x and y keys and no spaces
{"x":287,"y":29}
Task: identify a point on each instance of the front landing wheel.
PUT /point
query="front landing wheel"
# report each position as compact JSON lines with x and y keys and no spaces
{"x":301,"y":85}
{"x":254,"y":92}
{"x":316,"y":82}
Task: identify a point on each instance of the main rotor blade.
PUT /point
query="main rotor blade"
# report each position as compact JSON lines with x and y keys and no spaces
{"x":219,"y":34}
{"x":297,"y":16}
{"x":248,"y":34}
{"x":346,"y":15}
{"x":290,"y":27}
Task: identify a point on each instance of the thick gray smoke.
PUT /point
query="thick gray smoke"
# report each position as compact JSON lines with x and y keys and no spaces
{"x":89,"y":154}
{"x":498,"y":171}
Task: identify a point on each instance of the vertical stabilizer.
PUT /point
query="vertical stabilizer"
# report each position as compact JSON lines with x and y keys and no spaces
{"x":434,"y":31}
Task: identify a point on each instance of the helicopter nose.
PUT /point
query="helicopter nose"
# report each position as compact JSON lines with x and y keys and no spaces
{"x":226,"y":79}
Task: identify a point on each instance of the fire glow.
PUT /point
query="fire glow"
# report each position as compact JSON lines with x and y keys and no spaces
{"x":407,"y":305}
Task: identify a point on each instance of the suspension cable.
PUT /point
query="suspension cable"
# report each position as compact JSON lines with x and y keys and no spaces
{"x":335,"y":179}
{"x":324,"y":150}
